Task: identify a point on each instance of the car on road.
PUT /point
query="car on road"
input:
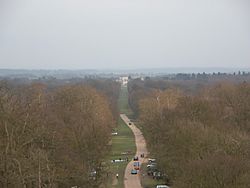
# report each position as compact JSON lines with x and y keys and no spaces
{"x":162,"y":186}
{"x":136,"y":163}
{"x":136,"y":158}
{"x":137,"y":167}
{"x":130,"y":123}
{"x":133,"y":171}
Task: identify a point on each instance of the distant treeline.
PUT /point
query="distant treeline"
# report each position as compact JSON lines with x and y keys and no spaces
{"x":190,"y":84}
{"x":55,"y":136}
{"x":215,"y":76}
{"x":198,"y":131}
{"x":105,"y":86}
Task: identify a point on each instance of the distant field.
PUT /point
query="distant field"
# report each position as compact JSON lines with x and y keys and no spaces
{"x":123,"y":102}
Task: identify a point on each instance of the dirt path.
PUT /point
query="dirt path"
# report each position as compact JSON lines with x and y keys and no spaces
{"x":115,"y":181}
{"x":133,"y":181}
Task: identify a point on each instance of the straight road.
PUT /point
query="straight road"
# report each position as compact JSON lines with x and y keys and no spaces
{"x":133,"y":181}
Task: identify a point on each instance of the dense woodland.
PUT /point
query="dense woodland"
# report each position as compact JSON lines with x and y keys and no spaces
{"x":55,"y":135}
{"x":199,"y":133}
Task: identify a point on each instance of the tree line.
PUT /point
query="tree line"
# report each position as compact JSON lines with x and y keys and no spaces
{"x":201,"y":139}
{"x":53,"y":137}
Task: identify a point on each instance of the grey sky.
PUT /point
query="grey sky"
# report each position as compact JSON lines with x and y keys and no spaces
{"x":83,"y":34}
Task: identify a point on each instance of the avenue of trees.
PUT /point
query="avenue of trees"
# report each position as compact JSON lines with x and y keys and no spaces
{"x":200,"y":138}
{"x":54,"y":137}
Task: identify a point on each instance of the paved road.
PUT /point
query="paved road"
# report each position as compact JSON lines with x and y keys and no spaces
{"x":133,"y":181}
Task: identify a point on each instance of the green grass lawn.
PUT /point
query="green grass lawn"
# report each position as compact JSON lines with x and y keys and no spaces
{"x":124,"y":141}
{"x":123,"y":102}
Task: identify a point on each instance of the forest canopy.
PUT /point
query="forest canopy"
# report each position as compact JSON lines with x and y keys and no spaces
{"x":54,"y":137}
{"x":200,"y":139}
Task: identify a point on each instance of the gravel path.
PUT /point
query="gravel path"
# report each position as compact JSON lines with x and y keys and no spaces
{"x":133,"y":181}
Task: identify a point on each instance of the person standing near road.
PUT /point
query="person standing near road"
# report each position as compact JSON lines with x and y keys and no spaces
{"x":117,"y":175}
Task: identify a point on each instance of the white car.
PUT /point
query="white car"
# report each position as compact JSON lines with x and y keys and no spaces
{"x":151,"y":165}
{"x":151,"y":160}
{"x":162,"y":186}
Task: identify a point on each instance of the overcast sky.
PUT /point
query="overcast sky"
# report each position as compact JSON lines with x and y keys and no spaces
{"x":84,"y":34}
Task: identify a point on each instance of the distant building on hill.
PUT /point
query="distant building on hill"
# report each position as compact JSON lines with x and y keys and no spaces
{"x":124,"y":80}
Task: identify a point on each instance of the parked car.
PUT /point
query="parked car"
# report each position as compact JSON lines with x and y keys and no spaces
{"x":151,"y":160}
{"x":162,"y":186}
{"x":133,"y":171}
{"x":158,"y":175}
{"x":93,"y":174}
{"x":152,"y":171}
{"x":152,"y":165}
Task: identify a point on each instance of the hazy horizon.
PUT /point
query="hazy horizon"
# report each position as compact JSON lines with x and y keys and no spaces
{"x":115,"y":34}
{"x":247,"y":68}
